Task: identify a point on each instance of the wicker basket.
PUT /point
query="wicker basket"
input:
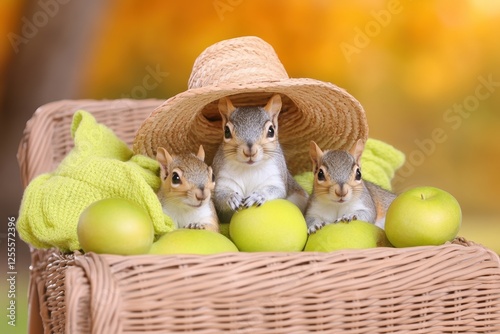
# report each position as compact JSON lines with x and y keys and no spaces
{"x":454,"y":288}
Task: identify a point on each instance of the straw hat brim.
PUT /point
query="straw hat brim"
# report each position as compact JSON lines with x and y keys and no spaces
{"x":312,"y":110}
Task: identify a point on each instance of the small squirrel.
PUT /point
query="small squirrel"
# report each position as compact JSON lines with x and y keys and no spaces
{"x":185,"y":192}
{"x":339,"y":192}
{"x":249,"y":165}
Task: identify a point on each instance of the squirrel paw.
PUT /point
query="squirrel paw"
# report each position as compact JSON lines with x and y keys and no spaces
{"x":315,"y":227}
{"x":235,"y":201}
{"x":346,"y":219}
{"x":254,"y":198}
{"x":196,"y":226}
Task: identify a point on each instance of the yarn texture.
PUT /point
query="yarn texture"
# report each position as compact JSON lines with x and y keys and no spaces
{"x":99,"y":166}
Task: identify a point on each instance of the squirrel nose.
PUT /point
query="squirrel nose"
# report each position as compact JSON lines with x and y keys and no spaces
{"x":342,"y":191}
{"x":250,"y":150}
{"x":200,"y":195}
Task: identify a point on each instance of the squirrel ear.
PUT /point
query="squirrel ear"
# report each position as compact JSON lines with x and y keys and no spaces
{"x":201,"y":153}
{"x":315,"y":153}
{"x":226,"y":108}
{"x":357,"y":150}
{"x":164,"y":158}
{"x":273,"y":107}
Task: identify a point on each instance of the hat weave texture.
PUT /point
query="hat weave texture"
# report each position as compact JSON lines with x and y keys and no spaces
{"x":248,"y":71}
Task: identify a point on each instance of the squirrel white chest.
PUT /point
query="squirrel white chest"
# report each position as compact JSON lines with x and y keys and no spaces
{"x":245,"y":179}
{"x":182,"y":215}
{"x":329,"y":211}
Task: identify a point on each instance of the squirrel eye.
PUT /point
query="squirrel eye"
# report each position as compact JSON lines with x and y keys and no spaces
{"x":227,"y":132}
{"x":358,"y":174}
{"x":176,"y":179}
{"x":321,"y":175}
{"x":270,"y":132}
{"x":213,"y":177}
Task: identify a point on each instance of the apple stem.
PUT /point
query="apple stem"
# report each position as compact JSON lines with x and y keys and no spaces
{"x":422,"y":196}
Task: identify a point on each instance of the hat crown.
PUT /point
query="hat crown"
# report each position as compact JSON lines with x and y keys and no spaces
{"x":237,"y":61}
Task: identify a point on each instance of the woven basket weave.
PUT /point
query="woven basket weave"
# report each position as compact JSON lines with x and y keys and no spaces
{"x":454,"y":288}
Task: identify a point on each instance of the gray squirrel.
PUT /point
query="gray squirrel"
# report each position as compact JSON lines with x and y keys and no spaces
{"x":186,"y":187}
{"x":249,"y":165}
{"x":339,"y":192}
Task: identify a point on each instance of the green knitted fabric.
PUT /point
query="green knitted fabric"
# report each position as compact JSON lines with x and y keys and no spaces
{"x":379,"y":163}
{"x":99,"y":166}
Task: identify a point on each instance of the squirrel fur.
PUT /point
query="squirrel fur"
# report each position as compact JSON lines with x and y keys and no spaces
{"x":186,"y":190}
{"x":339,"y":192}
{"x":249,"y":165}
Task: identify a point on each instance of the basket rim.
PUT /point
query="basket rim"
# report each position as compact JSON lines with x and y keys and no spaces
{"x":455,"y":243}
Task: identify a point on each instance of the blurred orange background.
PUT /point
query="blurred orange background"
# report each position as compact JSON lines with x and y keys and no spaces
{"x":426,"y":72}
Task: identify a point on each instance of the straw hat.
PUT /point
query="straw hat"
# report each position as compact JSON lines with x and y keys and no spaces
{"x":247,"y":70}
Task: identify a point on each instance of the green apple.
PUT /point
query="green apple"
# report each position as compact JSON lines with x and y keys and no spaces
{"x":423,"y":216}
{"x":115,"y":226}
{"x":191,"y":241}
{"x":275,"y":226}
{"x":356,"y":234}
